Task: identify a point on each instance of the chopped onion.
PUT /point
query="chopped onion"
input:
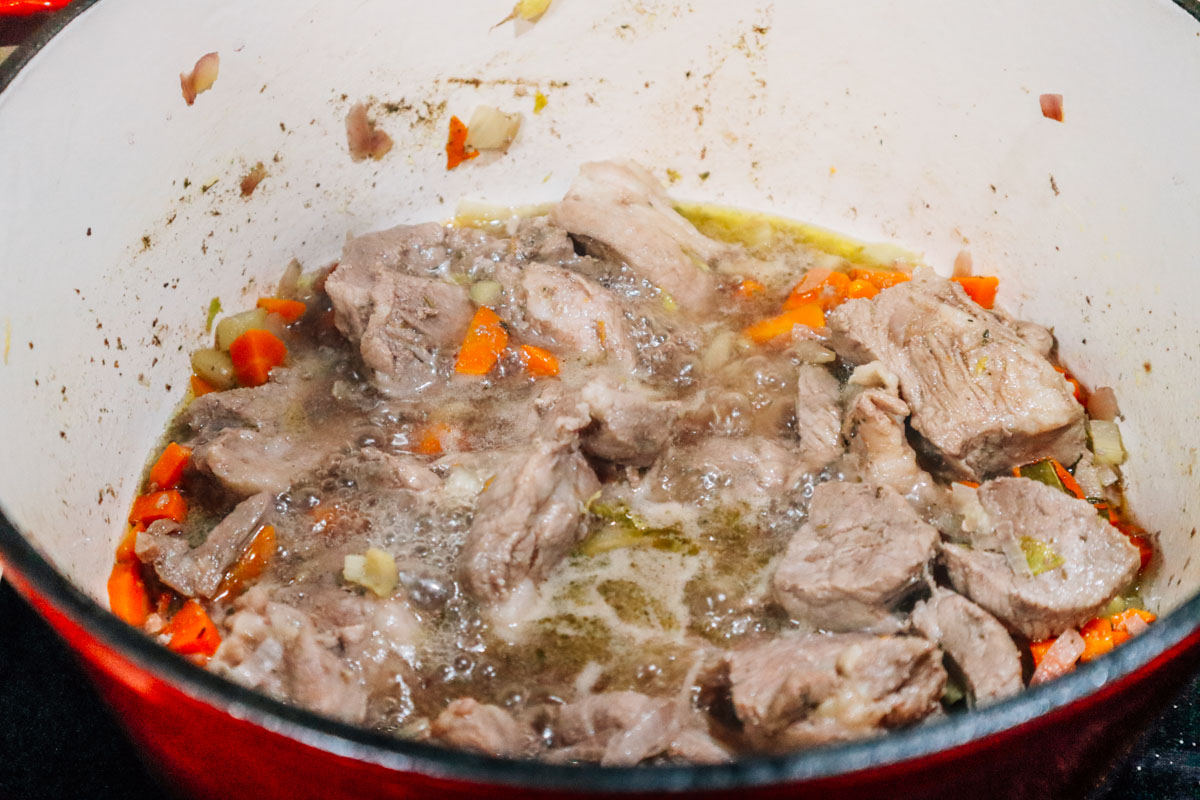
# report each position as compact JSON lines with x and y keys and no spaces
{"x":289,"y":282}
{"x":363,"y":138}
{"x":1102,"y":404}
{"x":232,"y":327}
{"x":1060,"y":658}
{"x":1052,"y":106}
{"x":875,"y":375}
{"x":485,"y":293}
{"x":1107,"y":448}
{"x":962,"y":264}
{"x":1135,"y":625}
{"x":491,"y":129}
{"x":201,"y":78}
{"x":214,"y":367}
{"x":965,"y":501}
{"x":528,"y":10}
{"x":375,"y":571}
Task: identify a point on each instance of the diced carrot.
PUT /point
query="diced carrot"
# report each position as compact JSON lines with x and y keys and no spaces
{"x":1079,"y":393}
{"x":201,"y":387}
{"x":749,"y":288}
{"x":193,"y":633}
{"x":167,"y":504}
{"x":253,"y":561}
{"x":980,"y":288}
{"x":1097,"y":638}
{"x":432,"y":439}
{"x":969,"y":484}
{"x":880,"y":278}
{"x":484,"y":342}
{"x":456,"y":144}
{"x":255,"y":353}
{"x":1121,"y":621}
{"x":1038,"y":650}
{"x":167,"y":471}
{"x":823,"y":287}
{"x":1016,"y":472}
{"x":861,"y":288}
{"x":1068,"y":480}
{"x":540,"y":363}
{"x":125,"y":551}
{"x":290,"y":310}
{"x":810,"y":315}
{"x":127,"y":595}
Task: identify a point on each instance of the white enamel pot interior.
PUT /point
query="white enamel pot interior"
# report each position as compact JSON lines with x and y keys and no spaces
{"x":121,"y":214}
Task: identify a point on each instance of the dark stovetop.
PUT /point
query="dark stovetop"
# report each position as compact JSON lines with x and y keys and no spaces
{"x":58,"y":741}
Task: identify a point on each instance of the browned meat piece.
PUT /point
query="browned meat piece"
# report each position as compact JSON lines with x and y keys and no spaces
{"x":805,"y":690}
{"x":527,"y":520}
{"x":569,"y":312}
{"x":975,"y":641}
{"x":727,"y":470}
{"x":1097,"y":560}
{"x":877,"y":449}
{"x":981,"y":397}
{"x":861,"y":551}
{"x":276,"y":648}
{"x":626,"y":728}
{"x":471,"y":725}
{"x":818,"y":415}
{"x":198,"y":571}
{"x":619,"y":209}
{"x":407,"y":327}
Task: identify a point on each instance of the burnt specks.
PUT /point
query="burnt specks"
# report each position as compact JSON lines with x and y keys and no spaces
{"x":89,"y":231}
{"x":146,"y":242}
{"x":1147,"y":367}
{"x":1054,"y":185}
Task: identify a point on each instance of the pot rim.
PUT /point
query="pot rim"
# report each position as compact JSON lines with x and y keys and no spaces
{"x":342,"y":739}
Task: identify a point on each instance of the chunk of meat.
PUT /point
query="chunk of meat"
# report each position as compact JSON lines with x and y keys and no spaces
{"x":276,"y":648}
{"x":877,"y":449}
{"x":818,"y":415}
{"x":1097,"y":560}
{"x":471,"y":725}
{"x":373,"y":467}
{"x":619,"y":209}
{"x":407,"y":327}
{"x":862,"y":549}
{"x":810,"y":689}
{"x":527,"y":520}
{"x":420,"y":250}
{"x":630,"y":422}
{"x":246,"y":462}
{"x":727,"y":470}
{"x":568,"y":312}
{"x":975,"y":641}
{"x":981,"y":396}
{"x":257,"y":408}
{"x":198,"y":571}
{"x":626,"y":728}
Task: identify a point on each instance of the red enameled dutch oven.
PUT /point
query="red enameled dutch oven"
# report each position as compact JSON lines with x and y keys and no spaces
{"x":120,"y":218}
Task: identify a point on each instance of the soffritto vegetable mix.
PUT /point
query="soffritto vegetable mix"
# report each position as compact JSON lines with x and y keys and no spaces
{"x":629,"y":482}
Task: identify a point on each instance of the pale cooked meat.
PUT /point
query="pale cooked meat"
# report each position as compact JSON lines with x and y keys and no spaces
{"x":198,"y":571}
{"x":877,"y":450}
{"x":247,"y":462}
{"x":975,"y":641}
{"x":631,"y":423}
{"x":1097,"y":559}
{"x":527,"y":519}
{"x":627,"y":728}
{"x":818,"y":414}
{"x":619,"y":209}
{"x":575,"y":313}
{"x":801,"y":690}
{"x":276,"y":648}
{"x":860,"y":552}
{"x":258,"y":407}
{"x":727,"y":470}
{"x":981,"y":397}
{"x":407,"y":327}
{"x":483,"y":728}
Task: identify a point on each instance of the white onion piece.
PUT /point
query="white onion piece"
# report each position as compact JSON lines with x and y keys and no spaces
{"x":962,"y":264}
{"x":485,"y":293}
{"x":1135,"y":625}
{"x":375,"y":571}
{"x":1060,"y":658}
{"x":201,"y":78}
{"x":491,"y":129}
{"x":1107,"y":448}
{"x":1102,"y":404}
